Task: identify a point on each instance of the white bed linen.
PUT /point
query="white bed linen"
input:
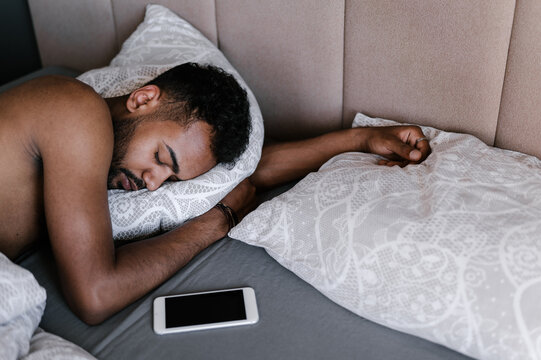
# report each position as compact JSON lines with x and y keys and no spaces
{"x":448,"y":250}
{"x":22,"y":301}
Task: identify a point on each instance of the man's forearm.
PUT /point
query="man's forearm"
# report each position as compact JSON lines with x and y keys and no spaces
{"x":143,"y":265}
{"x":283,"y":162}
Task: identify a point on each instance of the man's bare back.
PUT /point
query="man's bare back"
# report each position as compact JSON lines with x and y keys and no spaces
{"x":28,"y":113}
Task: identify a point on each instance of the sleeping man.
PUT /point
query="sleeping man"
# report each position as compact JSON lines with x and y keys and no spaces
{"x":63,"y":146}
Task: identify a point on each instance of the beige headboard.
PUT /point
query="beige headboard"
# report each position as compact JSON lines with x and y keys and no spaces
{"x":464,"y":65}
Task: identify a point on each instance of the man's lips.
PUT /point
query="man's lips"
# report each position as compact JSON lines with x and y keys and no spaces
{"x":127,"y":183}
{"x":133,"y":185}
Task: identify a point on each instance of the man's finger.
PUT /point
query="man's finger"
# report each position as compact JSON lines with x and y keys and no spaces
{"x":424,"y":147}
{"x":405,"y":151}
{"x":413,"y":136}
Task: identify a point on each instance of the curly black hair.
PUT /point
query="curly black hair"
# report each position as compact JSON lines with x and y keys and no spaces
{"x":197,"y":92}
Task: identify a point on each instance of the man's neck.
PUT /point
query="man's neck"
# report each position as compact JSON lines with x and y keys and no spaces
{"x":117,"y":106}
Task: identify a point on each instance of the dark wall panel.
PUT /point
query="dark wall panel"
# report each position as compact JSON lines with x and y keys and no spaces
{"x":19,"y":55}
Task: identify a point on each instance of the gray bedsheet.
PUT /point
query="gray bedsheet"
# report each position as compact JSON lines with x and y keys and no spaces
{"x":296,"y":321}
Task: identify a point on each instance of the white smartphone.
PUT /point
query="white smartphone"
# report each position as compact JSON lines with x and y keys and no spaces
{"x":205,"y":310}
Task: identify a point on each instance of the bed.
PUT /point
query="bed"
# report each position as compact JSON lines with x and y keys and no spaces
{"x":468,"y":66}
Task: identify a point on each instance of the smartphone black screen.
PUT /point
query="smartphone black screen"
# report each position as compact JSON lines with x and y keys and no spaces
{"x":204,"y":308}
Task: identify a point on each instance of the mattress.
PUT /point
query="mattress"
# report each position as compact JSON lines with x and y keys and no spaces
{"x":296,"y":321}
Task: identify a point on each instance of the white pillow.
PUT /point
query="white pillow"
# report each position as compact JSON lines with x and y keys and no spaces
{"x":162,"y":41}
{"x":448,"y":250}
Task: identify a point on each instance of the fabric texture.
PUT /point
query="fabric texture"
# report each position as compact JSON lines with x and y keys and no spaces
{"x":46,"y":346}
{"x":22,"y":301}
{"x":292,"y":55}
{"x":425,"y":61}
{"x":296,"y":322}
{"x":518,"y":121}
{"x":447,"y":250}
{"x":163,"y":40}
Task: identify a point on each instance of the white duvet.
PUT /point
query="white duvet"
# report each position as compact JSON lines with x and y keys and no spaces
{"x":22,"y":301}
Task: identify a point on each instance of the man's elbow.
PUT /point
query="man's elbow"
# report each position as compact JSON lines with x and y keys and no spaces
{"x":88,"y":306}
{"x":90,"y":315}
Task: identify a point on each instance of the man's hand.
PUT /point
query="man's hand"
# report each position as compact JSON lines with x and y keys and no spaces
{"x":401,"y":145}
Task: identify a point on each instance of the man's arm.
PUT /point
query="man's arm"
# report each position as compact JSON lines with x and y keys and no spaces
{"x":283,"y":162}
{"x":97,"y":281}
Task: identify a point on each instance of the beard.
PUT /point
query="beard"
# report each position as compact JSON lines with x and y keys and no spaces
{"x":123,"y":129}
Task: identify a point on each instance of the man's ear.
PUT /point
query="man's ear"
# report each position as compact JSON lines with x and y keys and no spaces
{"x":142,"y":99}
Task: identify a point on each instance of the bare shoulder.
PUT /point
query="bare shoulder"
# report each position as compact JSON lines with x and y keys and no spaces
{"x":53,"y":111}
{"x":53,"y":95}
{"x":70,"y":97}
{"x":64,"y":111}
{"x":62,"y":88}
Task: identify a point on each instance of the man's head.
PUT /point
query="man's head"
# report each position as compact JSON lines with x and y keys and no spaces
{"x":178,"y":126}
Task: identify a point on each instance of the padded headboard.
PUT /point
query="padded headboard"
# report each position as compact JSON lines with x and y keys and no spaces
{"x":464,"y":65}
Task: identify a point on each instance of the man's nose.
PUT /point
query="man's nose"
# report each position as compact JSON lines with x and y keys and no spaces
{"x":155,"y":177}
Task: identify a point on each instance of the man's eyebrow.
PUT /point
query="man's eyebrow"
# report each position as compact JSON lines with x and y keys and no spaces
{"x":173,"y":159}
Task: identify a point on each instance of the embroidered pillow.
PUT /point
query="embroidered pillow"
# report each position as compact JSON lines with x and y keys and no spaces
{"x":448,"y":250}
{"x":162,"y":41}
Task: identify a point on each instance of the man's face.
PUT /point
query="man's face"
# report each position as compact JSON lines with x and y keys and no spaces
{"x":159,"y":151}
